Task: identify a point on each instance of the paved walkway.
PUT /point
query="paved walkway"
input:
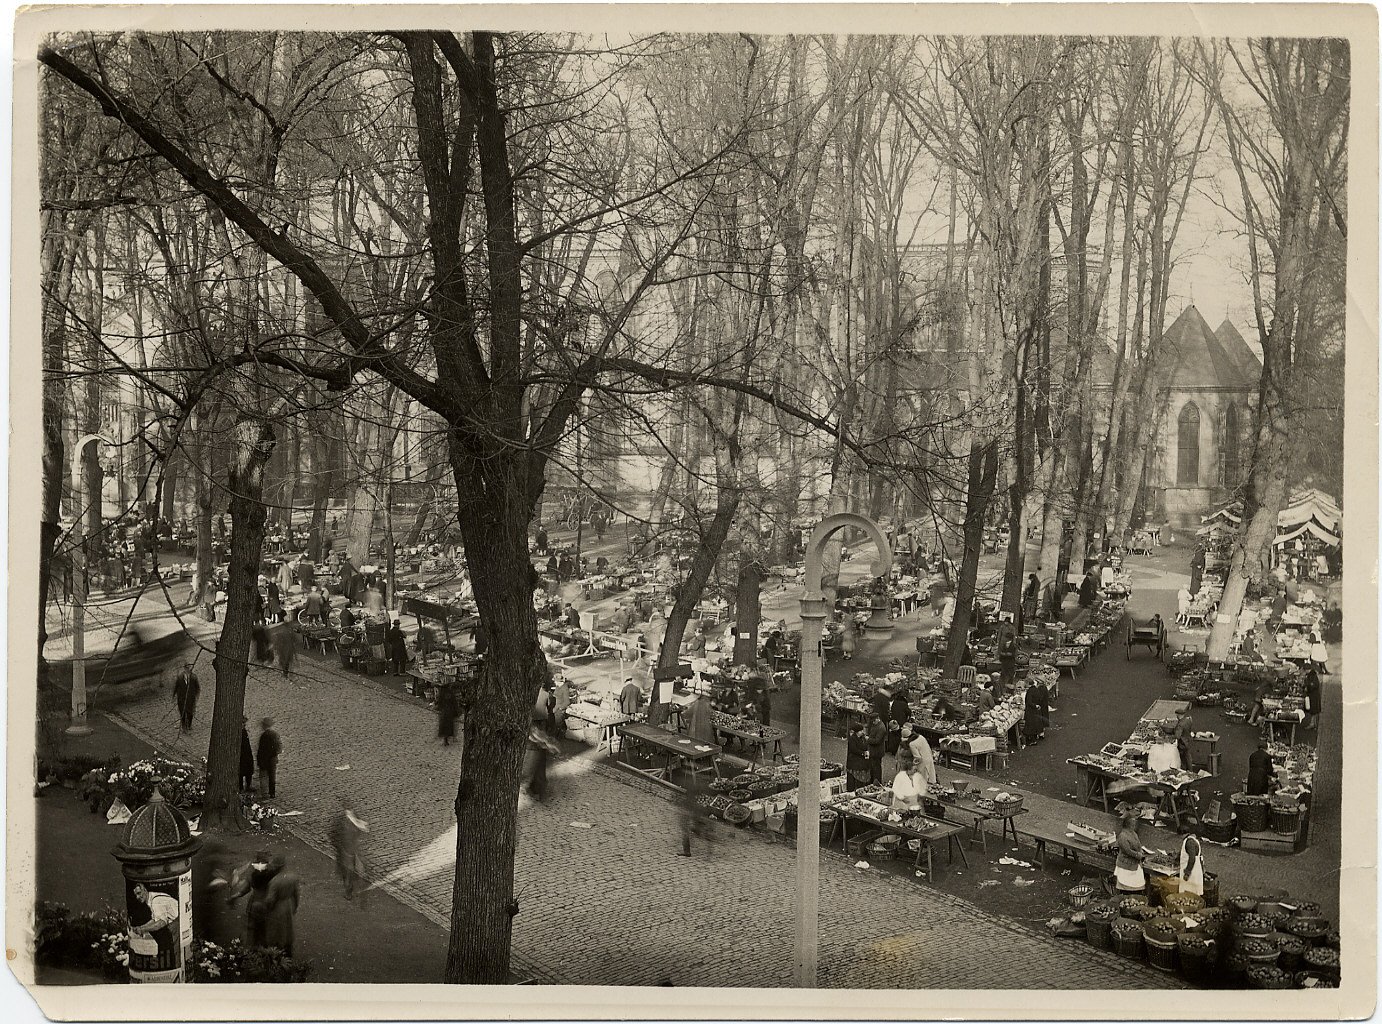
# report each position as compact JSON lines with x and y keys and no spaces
{"x":603,"y":898}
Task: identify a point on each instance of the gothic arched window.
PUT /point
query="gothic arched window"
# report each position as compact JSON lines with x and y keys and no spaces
{"x":1188,"y":446}
{"x":1229,"y":446}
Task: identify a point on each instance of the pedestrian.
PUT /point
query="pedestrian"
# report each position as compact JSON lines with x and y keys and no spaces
{"x":448,"y":708}
{"x":561,"y":700}
{"x":211,"y":878}
{"x":260,"y":609}
{"x":542,"y":540}
{"x":347,"y":837}
{"x":848,"y":637}
{"x":693,"y":819}
{"x":857,"y":755}
{"x":1311,"y":685}
{"x":878,"y":742}
{"x":270,"y":746}
{"x":374,"y":602}
{"x":1005,"y":642}
{"x":285,"y":647}
{"x":185,"y":692}
{"x":285,"y":578}
{"x":899,"y":714}
{"x":246,"y":758}
{"x":307,"y":574}
{"x":397,"y":645}
{"x":347,"y":618}
{"x":700,"y":725}
{"x":274,"y":896}
{"x":630,"y":698}
{"x":1031,"y":594}
{"x":273,"y":602}
{"x":535,"y":763}
{"x":1036,"y":715}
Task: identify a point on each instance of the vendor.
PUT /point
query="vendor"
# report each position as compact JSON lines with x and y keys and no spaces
{"x":630,"y":698}
{"x":983,"y":697}
{"x":1164,"y":754}
{"x":908,"y":785}
{"x":1183,"y":730}
{"x":857,"y":755}
{"x":571,"y":616}
{"x":1089,"y":589}
{"x":695,"y":647}
{"x":1036,"y":714}
{"x":1191,"y":875}
{"x":1127,"y":872}
{"x":899,"y":712}
{"x":915,"y":743}
{"x":1260,"y":771}
{"x":699,"y":725}
{"x":1311,"y":684}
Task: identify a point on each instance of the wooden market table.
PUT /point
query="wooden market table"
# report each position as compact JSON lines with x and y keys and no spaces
{"x":674,"y":748}
{"x":981,"y":816}
{"x":940,"y":830}
{"x":606,"y":720}
{"x":757,"y":741}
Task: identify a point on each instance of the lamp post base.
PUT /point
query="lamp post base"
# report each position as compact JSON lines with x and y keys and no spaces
{"x":78,"y":728}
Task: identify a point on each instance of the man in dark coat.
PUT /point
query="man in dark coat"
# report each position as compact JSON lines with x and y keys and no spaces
{"x":270,"y":746}
{"x":1089,"y":589}
{"x":246,"y":758}
{"x":448,"y":708}
{"x":878,"y":744}
{"x":185,"y":692}
{"x":542,"y":540}
{"x":1260,"y":771}
{"x":857,"y":756}
{"x":899,"y":714}
{"x":397,"y":645}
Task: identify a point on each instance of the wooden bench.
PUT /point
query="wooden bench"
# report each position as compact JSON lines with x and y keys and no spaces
{"x":1077,"y":850}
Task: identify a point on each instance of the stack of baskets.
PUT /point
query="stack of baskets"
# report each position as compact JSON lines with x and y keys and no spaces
{"x":1196,"y":953}
{"x":1184,"y":903}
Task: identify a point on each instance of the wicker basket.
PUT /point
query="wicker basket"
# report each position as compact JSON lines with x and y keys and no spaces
{"x":1211,"y":889}
{"x":1285,"y":821}
{"x":885,"y":847}
{"x":1007,"y":808}
{"x":1184,"y":903}
{"x":1252,"y":815}
{"x":1098,"y":922}
{"x":1081,"y":894}
{"x":1161,"y":955}
{"x":1128,"y":943}
{"x":1219,"y":831}
{"x":738,"y":815}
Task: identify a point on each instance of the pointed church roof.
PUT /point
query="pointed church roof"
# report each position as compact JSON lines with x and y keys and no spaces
{"x":1193,"y":357}
{"x":1239,"y":350}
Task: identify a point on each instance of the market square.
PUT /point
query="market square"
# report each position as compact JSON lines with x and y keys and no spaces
{"x":502,"y":524}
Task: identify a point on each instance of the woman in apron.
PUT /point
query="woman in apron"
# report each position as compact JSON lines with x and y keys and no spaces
{"x":1127,"y":871}
{"x":1191,"y":867}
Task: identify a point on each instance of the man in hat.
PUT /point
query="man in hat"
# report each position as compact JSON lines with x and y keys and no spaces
{"x":185,"y":692}
{"x":630,"y":698}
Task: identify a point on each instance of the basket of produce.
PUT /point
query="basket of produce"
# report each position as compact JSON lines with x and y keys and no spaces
{"x":1098,"y":922}
{"x":746,"y":779}
{"x":763,"y":788}
{"x":1267,"y":976}
{"x":885,"y":847}
{"x":1242,"y":904}
{"x":1145,"y":913}
{"x":1219,"y":831}
{"x":1126,"y":904}
{"x":1285,"y":816}
{"x":1080,"y":895}
{"x":1315,"y":979}
{"x":1290,"y":949}
{"x":1252,"y":812}
{"x":1275,"y":913}
{"x":1005,"y":805}
{"x":828,"y":819}
{"x":1211,"y":889}
{"x":722,"y":785}
{"x":829,"y":769}
{"x":737,"y":814}
{"x":1127,"y":938}
{"x":959,"y":785}
{"x":1322,"y":958}
{"x":1162,"y":937}
{"x":1235,"y":968}
{"x":1252,"y":926}
{"x":766,"y":772}
{"x":1195,"y":952}
{"x":1184,"y":902}
{"x":738,"y":796}
{"x":1259,"y":951}
{"x":1311,"y":929}
{"x":1331,"y":939}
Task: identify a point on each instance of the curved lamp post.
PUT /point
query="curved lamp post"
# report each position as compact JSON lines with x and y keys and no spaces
{"x":813,"y":614}
{"x":78,"y":726}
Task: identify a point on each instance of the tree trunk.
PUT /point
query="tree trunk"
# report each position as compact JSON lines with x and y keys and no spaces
{"x":497,"y":719}
{"x":253,"y":445}
{"x":205,"y":597}
{"x":747,"y":608}
{"x":983,"y":473}
{"x":702,"y":565}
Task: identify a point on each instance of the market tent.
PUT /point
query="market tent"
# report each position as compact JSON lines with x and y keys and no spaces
{"x":1227,"y":514}
{"x":1314,"y":529}
{"x":1291,"y":518}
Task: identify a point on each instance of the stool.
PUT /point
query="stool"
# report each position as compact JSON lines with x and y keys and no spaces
{"x":1000,"y":761}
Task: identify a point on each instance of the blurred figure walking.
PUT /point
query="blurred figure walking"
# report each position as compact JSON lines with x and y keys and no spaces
{"x":347,"y":836}
{"x":540,"y":747}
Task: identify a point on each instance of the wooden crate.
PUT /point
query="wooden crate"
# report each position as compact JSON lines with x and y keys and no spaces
{"x":1269,"y":842}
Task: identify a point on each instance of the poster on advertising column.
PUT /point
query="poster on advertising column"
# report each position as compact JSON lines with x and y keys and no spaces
{"x":157,"y":909}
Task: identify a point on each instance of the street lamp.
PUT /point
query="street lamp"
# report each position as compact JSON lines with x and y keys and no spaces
{"x":78,"y":726}
{"x":813,"y":614}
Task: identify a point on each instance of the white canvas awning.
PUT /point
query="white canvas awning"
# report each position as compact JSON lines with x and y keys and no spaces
{"x":1311,"y":527}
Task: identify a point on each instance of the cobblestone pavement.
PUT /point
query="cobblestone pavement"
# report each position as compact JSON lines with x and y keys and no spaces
{"x":603,"y":897}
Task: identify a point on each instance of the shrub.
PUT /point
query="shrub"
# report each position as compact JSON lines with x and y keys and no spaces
{"x":87,"y":941}
{"x":236,"y":963}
